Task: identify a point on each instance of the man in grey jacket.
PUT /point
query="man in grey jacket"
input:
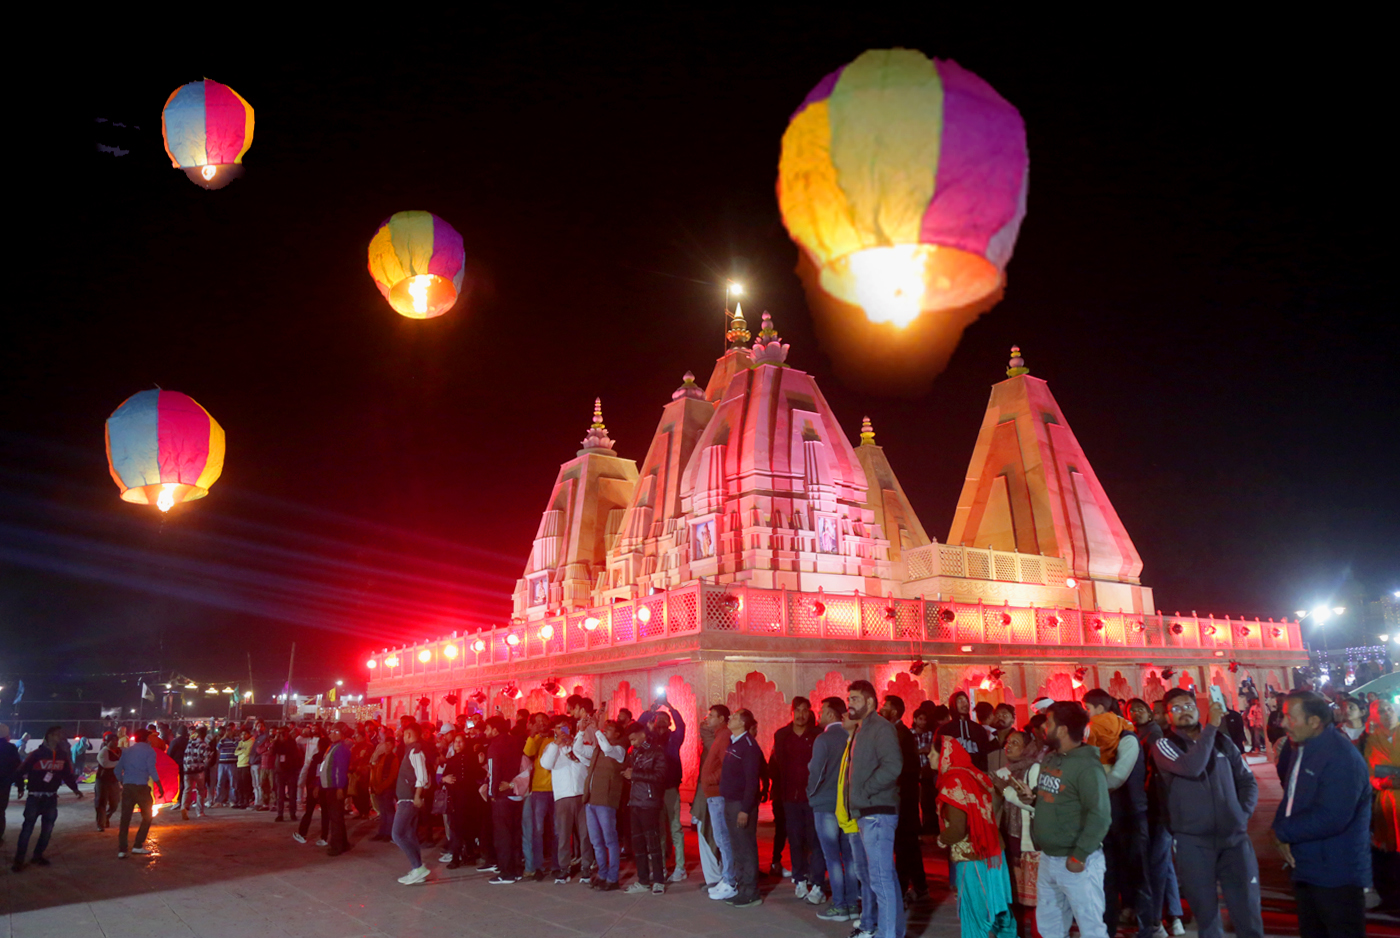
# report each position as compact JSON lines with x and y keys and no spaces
{"x":823,"y":773}
{"x":1211,"y":794}
{"x":873,"y":764}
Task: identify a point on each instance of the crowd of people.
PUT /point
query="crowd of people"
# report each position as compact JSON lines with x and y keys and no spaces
{"x":1105,"y":813}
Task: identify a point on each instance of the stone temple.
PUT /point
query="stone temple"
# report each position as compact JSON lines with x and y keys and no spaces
{"x":756,"y":554}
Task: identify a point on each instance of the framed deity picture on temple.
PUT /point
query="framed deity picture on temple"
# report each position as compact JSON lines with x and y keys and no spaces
{"x":826,"y":534}
{"x":539,"y":591}
{"x":703,"y":535}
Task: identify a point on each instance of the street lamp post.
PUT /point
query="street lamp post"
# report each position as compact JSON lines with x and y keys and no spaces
{"x":1320,"y":616}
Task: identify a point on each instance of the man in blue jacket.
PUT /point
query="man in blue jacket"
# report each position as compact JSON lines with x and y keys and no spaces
{"x":136,"y":773}
{"x":335,"y":778}
{"x":738,"y":784}
{"x":1323,"y":822}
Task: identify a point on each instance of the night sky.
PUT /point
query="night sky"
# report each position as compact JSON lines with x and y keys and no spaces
{"x":1199,"y":278}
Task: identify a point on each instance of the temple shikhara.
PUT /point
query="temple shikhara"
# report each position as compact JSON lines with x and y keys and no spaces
{"x":757,"y":553}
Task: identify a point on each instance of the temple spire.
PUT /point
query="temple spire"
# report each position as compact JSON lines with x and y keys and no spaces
{"x":769,"y":347}
{"x":1017,"y":365}
{"x":738,"y":334}
{"x":867,"y":432}
{"x":688,"y":388}
{"x":597,"y":440}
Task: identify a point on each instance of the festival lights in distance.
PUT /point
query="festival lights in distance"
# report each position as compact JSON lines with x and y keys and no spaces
{"x":392,"y":661}
{"x":512,"y":639}
{"x":450,"y":651}
{"x":546,"y":631}
{"x":478,"y":646}
{"x":371,"y":664}
{"x":591,"y":623}
{"x":644,"y":615}
{"x":425,"y":656}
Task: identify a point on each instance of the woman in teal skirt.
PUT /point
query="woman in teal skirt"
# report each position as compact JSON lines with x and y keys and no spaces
{"x":966,"y":802}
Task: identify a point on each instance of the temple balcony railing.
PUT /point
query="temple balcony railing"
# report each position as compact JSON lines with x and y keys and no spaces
{"x":931,"y":560}
{"x":804,"y":616}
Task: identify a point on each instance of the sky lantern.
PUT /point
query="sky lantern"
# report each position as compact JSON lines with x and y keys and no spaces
{"x":904,"y":180}
{"x":417,"y":261}
{"x":207,"y":128}
{"x":163,"y":449}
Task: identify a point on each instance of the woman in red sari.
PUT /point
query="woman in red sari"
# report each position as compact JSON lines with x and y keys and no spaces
{"x":966,"y":804}
{"x":1382,"y":751}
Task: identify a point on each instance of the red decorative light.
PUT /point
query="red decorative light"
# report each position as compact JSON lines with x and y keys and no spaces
{"x":1210,"y":630}
{"x":1278,"y":632}
{"x":1167,"y":674}
{"x":1233,"y":666}
{"x":1139,"y":627}
{"x":1178,"y":628}
{"x":1244,"y":631}
{"x":1006,"y":618}
{"x":947,"y":614}
{"x":1097,"y":625}
{"x":890,"y":612}
{"x":1052,"y":621}
{"x":818,"y":608}
{"x":996,"y":674}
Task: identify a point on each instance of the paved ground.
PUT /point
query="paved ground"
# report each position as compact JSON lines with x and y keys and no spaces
{"x":239,"y":874}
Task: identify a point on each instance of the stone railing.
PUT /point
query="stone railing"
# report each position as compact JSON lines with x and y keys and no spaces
{"x":932,"y":560}
{"x":784,"y":614}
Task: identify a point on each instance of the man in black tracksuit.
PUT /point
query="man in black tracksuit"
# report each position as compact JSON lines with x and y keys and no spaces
{"x":1211,"y":794}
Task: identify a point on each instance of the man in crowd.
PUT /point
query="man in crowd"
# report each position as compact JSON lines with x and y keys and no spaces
{"x":10,"y":761}
{"x":823,"y":778}
{"x":567,"y":773}
{"x":1003,"y":722}
{"x":928,"y":775}
{"x":243,"y":769}
{"x":711,"y":864}
{"x":1210,"y":795}
{"x":1125,"y":846}
{"x":136,"y":772}
{"x":176,"y":752}
{"x":739,"y":785}
{"x":227,"y":790}
{"x":604,"y":754}
{"x":504,"y":750}
{"x":335,"y":777}
{"x":711,"y":773}
{"x":41,"y":772}
{"x":537,"y":811}
{"x":908,"y":858}
{"x":787,"y":772}
{"x":286,"y":770}
{"x":196,"y":791}
{"x":106,"y":790}
{"x":262,"y":748}
{"x":975,"y":738}
{"x":1323,"y":822}
{"x":1160,"y":884}
{"x":409,"y":790}
{"x":871,"y":769}
{"x":1071,"y":818}
{"x":668,"y":729}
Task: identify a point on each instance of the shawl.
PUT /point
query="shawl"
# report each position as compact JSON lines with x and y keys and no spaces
{"x":1104,"y":731}
{"x":843,"y":811}
{"x":965,"y":787}
{"x":1383,"y":748}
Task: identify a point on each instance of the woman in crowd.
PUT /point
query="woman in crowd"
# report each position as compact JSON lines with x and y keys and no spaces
{"x":458,"y":777}
{"x":966,"y":802}
{"x":1382,"y":751}
{"x":1022,"y":764}
{"x":1353,"y":719}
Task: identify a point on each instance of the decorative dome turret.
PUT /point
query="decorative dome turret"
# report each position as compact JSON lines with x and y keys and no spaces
{"x":688,"y":388}
{"x":867,"y":432}
{"x":769,"y":349}
{"x":597,"y":439}
{"x":1017,"y":365}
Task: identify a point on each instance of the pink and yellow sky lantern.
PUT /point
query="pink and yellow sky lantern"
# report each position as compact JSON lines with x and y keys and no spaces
{"x":163,"y":448}
{"x":417,"y":262}
{"x":207,"y":128}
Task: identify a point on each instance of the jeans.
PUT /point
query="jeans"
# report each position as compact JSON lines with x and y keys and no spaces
{"x":539,"y":809}
{"x":779,"y":832}
{"x":840,"y":861}
{"x":1062,"y":896}
{"x":646,"y":844}
{"x":42,"y":808}
{"x":1330,"y":911}
{"x":879,"y":885}
{"x":505,"y":822}
{"x":385,"y":804}
{"x":744,"y":842}
{"x":671,"y":817}
{"x":807,"y":864}
{"x":228,"y":785}
{"x":710,"y":866}
{"x":1125,"y":871}
{"x":602,"y":832}
{"x":133,"y":797}
{"x":714,"y":810}
{"x":406,"y":832}
{"x":1161,"y":880}
{"x":196,"y":792}
{"x":258,"y":774}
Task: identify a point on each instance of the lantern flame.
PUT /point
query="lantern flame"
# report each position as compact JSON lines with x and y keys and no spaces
{"x":166,"y":499}
{"x":888,"y":282}
{"x":418,"y":289}
{"x":208,"y":172}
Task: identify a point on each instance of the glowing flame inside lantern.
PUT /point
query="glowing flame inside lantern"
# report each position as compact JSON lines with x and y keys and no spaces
{"x":888,"y":282}
{"x":166,"y":499}
{"x":418,"y":290}
{"x":208,"y":171}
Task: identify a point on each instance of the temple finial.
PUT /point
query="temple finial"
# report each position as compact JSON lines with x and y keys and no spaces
{"x":769,"y":347}
{"x":867,"y":432}
{"x":597,"y":440}
{"x":1017,"y":365}
{"x":738,"y":334}
{"x":688,"y":388}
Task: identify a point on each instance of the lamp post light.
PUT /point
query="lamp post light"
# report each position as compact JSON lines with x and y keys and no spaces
{"x":737,"y":289}
{"x":1320,"y":616}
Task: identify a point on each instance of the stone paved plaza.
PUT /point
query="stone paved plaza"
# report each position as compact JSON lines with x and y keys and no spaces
{"x":238,"y":874}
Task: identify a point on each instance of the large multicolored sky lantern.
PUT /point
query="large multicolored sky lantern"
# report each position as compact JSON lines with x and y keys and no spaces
{"x":207,"y":128}
{"x":417,"y":261}
{"x":163,"y":449}
{"x":904,"y":180}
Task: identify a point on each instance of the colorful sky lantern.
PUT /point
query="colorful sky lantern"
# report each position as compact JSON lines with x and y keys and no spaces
{"x":904,"y":178}
{"x":207,"y":128}
{"x":417,"y":261}
{"x":163,"y":449}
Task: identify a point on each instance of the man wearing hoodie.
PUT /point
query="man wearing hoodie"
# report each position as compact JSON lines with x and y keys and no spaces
{"x":1323,"y":822}
{"x":1125,"y":847}
{"x":602,"y":751}
{"x":1210,"y":795}
{"x":871,"y":768}
{"x":1071,"y":818}
{"x":42,"y":771}
{"x":975,"y":738}
{"x":711,"y":771}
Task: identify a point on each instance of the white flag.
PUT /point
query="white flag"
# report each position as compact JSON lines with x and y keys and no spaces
{"x":147,"y":693}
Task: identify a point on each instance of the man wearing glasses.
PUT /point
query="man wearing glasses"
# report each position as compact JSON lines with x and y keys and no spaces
{"x":1210,"y":795}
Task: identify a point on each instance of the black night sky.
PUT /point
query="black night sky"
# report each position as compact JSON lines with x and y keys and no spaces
{"x":1199,"y":277}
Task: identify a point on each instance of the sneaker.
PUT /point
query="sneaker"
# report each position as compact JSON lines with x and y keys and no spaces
{"x":445,"y":858}
{"x":815,"y":896}
{"x":637,"y":887}
{"x":752,"y":903}
{"x":539,"y":876}
{"x":834,"y":913}
{"x":658,"y":889}
{"x":298,"y":838}
{"x":121,"y":855}
{"x":802,"y":890}
{"x":1159,"y":931}
{"x":1177,"y":928}
{"x":610,"y":886}
{"x":322,"y":842}
{"x":859,"y":932}
{"x":499,"y":880}
{"x":139,"y":850}
{"x":723,"y":891}
{"x":415,"y":876}
{"x":491,"y":868}
{"x":561,"y":879}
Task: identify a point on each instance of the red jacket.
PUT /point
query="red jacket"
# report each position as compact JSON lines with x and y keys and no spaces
{"x":714,"y":763}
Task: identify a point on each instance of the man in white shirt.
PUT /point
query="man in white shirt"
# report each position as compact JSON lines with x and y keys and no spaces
{"x":570,"y":823}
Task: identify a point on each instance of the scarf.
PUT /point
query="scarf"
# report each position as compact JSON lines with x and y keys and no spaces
{"x":967,"y":788}
{"x":843,"y":811}
{"x":1383,"y":748}
{"x":1104,"y":731}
